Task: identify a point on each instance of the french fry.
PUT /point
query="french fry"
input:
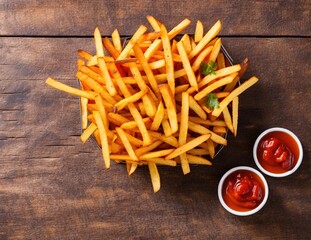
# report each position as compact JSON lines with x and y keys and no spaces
{"x":185,"y":61}
{"x":198,"y":160}
{"x":83,"y":104}
{"x":214,"y":86}
{"x":155,"y":177}
{"x":206,"y":39}
{"x":219,"y":73}
{"x":195,"y":106}
{"x":156,"y":154}
{"x":144,"y":63}
{"x":154,"y":23}
{"x":183,"y":132}
{"x":98,"y":43}
{"x":235,"y":113}
{"x":168,"y":98}
{"x":126,"y":144}
{"x":228,"y":119}
{"x":199,"y":31}
{"x":71,"y":90}
{"x":103,"y":138}
{"x":215,"y":50}
{"x":247,"y":84}
{"x":116,"y":40}
{"x":168,"y":59}
{"x":188,"y":146}
{"x":140,"y":31}
{"x":124,"y":102}
{"x":157,"y":120}
{"x":88,"y":132}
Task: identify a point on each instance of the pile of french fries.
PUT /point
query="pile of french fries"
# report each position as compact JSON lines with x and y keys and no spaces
{"x":145,"y":101}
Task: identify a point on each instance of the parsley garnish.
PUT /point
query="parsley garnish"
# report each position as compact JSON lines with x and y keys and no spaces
{"x":208,"y":68}
{"x":211,"y":101}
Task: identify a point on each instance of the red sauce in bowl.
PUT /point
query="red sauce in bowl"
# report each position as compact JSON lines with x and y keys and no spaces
{"x":277,"y":152}
{"x":243,"y":190}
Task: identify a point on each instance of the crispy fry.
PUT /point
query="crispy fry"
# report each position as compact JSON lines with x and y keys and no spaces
{"x":83,"y":104}
{"x":126,"y":143}
{"x":88,"y":132}
{"x":247,"y":84}
{"x":206,"y":39}
{"x":124,"y":102}
{"x":199,"y":31}
{"x":188,"y":146}
{"x":103,"y":138}
{"x":116,"y":40}
{"x":168,"y":59}
{"x":170,"y":105}
{"x":65,"y":88}
{"x":214,"y":86}
{"x":140,"y":31}
{"x":235,"y":113}
{"x":185,"y":61}
{"x":155,"y":177}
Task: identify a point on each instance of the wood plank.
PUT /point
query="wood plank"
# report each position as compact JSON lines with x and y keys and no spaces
{"x":79,"y":18}
{"x":54,"y":187}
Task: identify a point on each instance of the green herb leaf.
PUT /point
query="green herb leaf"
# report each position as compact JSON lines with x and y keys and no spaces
{"x":211,"y":101}
{"x":208,"y":68}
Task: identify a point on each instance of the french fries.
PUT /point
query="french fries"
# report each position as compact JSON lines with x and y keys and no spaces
{"x":160,"y":100}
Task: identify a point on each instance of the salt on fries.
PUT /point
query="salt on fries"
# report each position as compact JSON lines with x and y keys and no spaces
{"x":146,"y":103}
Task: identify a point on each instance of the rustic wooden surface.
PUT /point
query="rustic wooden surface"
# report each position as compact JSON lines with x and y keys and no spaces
{"x":54,"y":187}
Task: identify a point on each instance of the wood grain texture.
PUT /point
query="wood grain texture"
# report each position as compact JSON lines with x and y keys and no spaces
{"x":79,"y":18}
{"x":54,"y":187}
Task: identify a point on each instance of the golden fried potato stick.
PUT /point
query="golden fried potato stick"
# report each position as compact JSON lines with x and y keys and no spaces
{"x":146,"y":67}
{"x":221,"y":61}
{"x":103,"y":138}
{"x":215,"y":51}
{"x":199,"y":31}
{"x":65,"y":88}
{"x":196,"y":107}
{"x":117,"y":119}
{"x":102,"y":111}
{"x":135,"y":97}
{"x":139,"y":32}
{"x":206,"y":39}
{"x":203,"y":130}
{"x":155,"y":24}
{"x":88,"y":132}
{"x":110,"y":48}
{"x":168,"y":99}
{"x":155,"y":177}
{"x":157,"y":120}
{"x":168,"y":59}
{"x":105,"y":74}
{"x":116,"y":40}
{"x":143,"y":150}
{"x":224,"y":81}
{"x":83,"y":105}
{"x":188,"y":146}
{"x":98,"y":43}
{"x":228,"y":119}
{"x":247,"y":84}
{"x":235,"y":113}
{"x":156,"y":154}
{"x":126,"y":144}
{"x":198,"y":160}
{"x":183,"y":131}
{"x":219,"y":73}
{"x":186,"y":64}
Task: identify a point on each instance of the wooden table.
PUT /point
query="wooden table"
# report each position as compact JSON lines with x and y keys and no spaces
{"x":54,"y":187}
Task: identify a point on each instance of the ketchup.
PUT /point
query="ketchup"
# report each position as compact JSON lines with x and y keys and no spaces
{"x":277,"y":152}
{"x":243,"y":190}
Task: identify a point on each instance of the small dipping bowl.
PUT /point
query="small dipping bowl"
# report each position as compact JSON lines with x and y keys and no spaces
{"x":289,"y":140}
{"x":245,"y":207}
